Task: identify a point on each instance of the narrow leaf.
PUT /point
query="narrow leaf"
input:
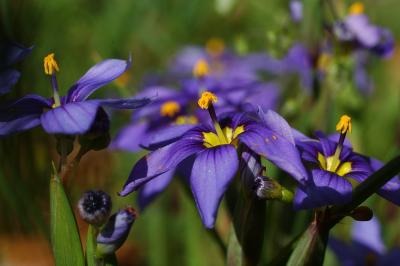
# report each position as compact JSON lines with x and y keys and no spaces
{"x":65,"y":240}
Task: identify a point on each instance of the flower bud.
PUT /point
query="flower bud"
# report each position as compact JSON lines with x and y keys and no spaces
{"x":362,"y":213}
{"x":115,"y":232}
{"x":267,"y":188}
{"x":95,"y":207}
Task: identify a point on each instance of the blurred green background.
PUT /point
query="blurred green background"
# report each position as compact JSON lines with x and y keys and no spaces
{"x":169,"y":232}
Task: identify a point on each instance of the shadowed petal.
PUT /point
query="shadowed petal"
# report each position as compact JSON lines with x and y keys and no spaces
{"x":22,"y":114}
{"x":8,"y":79}
{"x":158,"y":162}
{"x":164,"y":136}
{"x":328,"y":189}
{"x":130,"y":137}
{"x":19,"y":124}
{"x":99,"y":75}
{"x":70,"y":118}
{"x":154,"y":187}
{"x":212,"y":171}
{"x":276,"y":149}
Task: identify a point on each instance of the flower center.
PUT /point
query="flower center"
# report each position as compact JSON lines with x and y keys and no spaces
{"x":356,"y":8}
{"x":170,"y":108}
{"x":200,"y":69}
{"x":210,"y":139}
{"x":334,"y":165}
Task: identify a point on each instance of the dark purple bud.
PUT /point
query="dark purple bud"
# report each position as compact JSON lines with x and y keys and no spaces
{"x":95,"y":207}
{"x":115,"y":232}
{"x":362,"y":213}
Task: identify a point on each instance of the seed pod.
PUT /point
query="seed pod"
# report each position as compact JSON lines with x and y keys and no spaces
{"x":95,"y":207}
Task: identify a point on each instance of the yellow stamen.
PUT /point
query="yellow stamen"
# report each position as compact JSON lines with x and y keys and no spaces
{"x":334,"y":165}
{"x":188,"y":120}
{"x":170,"y":108}
{"x":200,"y":69}
{"x":206,"y":98}
{"x":344,"y":169}
{"x":356,"y":8}
{"x":210,"y":139}
{"x":215,"y":47}
{"x":50,"y":64}
{"x":344,"y":124}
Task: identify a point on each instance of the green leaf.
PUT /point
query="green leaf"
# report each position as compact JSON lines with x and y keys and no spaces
{"x":65,"y":240}
{"x":91,"y":245}
{"x":310,"y":248}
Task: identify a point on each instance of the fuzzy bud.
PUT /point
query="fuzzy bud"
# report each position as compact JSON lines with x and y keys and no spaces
{"x":95,"y":207}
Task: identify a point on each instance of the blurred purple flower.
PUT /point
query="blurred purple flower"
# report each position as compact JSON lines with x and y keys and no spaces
{"x":10,"y":54}
{"x":366,"y":247}
{"x":72,"y":114}
{"x":356,"y":28}
{"x":296,"y":10}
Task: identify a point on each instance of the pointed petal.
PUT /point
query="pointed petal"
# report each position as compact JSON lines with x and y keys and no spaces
{"x":212,"y":172}
{"x":130,"y":103}
{"x":99,"y":75}
{"x":22,"y":114}
{"x":158,"y":162}
{"x":276,"y":123}
{"x":12,"y":53}
{"x":19,"y":124}
{"x":70,"y":118}
{"x":276,"y":149}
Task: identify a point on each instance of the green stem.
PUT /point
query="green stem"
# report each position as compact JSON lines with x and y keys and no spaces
{"x":366,"y":189}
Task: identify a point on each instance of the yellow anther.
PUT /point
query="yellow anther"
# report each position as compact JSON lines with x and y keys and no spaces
{"x":344,"y":124}
{"x":170,"y":108}
{"x":324,"y":60}
{"x":50,"y":64}
{"x":356,"y":8}
{"x":215,"y":46}
{"x":188,"y":120}
{"x":206,"y":98}
{"x":200,"y":69}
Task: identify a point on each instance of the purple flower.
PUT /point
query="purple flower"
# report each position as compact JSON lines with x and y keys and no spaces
{"x":296,"y":10}
{"x":174,"y":108}
{"x":208,"y":154}
{"x":357,"y":29}
{"x":335,"y":168}
{"x":10,"y":54}
{"x":366,"y":247}
{"x":72,"y":114}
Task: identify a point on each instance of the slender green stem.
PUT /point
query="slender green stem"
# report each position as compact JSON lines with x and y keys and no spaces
{"x":366,"y":189}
